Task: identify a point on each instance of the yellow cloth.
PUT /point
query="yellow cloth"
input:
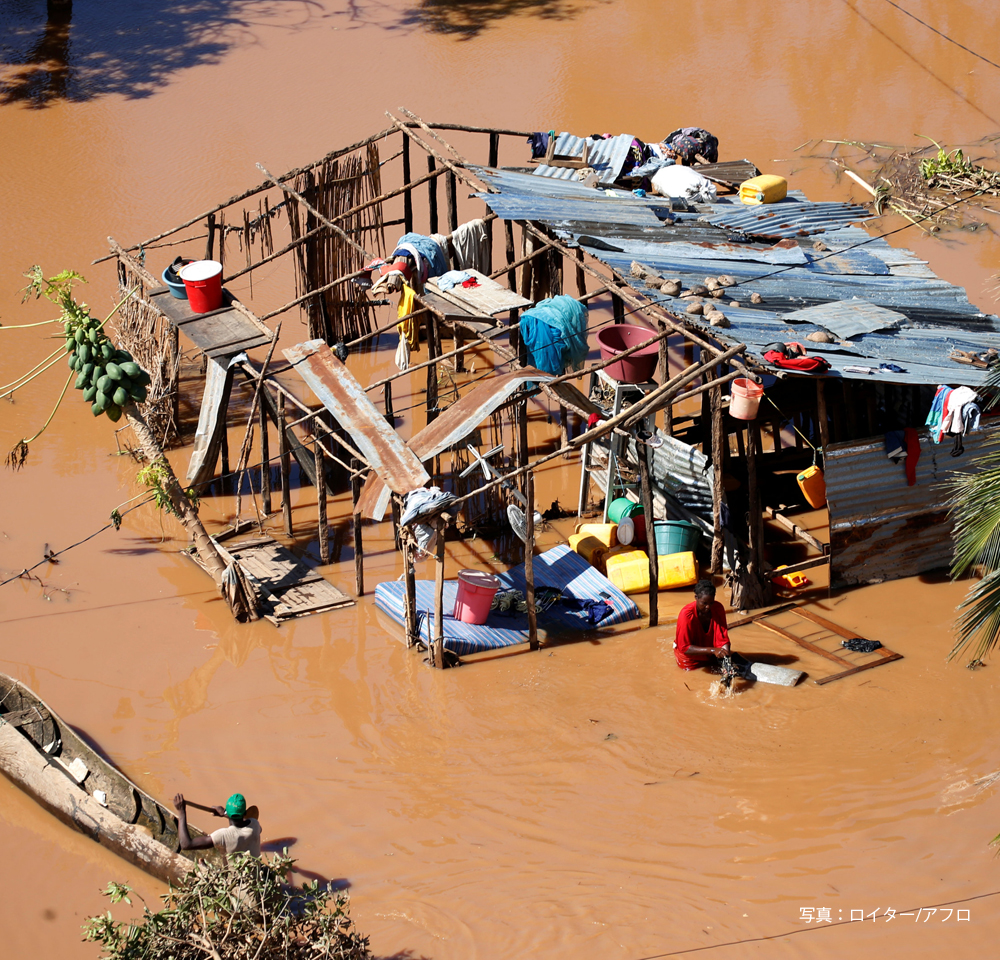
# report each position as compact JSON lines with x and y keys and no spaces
{"x":408,"y":328}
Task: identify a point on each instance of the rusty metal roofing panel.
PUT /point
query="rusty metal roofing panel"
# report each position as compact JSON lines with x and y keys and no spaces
{"x":606,"y":157}
{"x":345,"y":398}
{"x":454,"y":424}
{"x":790,"y":218}
{"x":882,"y":529}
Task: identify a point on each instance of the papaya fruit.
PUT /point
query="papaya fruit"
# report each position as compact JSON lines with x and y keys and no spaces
{"x":71,"y":360}
{"x":81,"y":381}
{"x":107,"y":351}
{"x":144,"y":378}
{"x":83,"y":352}
{"x":67,"y":328}
{"x":89,"y":394}
{"x":138,"y":393}
{"x":130,"y":368}
{"x":101,"y":401}
{"x":80,"y":334}
{"x":114,"y":413}
{"x":96,"y":375}
{"x":92,"y":334}
{"x":96,"y":410}
{"x":70,"y":345}
{"x":87,"y":370}
{"x":120,"y":397}
{"x":113,"y":370}
{"x":105,"y":384}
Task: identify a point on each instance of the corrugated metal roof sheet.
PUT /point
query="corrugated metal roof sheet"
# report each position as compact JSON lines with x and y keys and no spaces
{"x":849,"y":318}
{"x":789,"y":218}
{"x":882,"y":529}
{"x":606,"y":157}
{"x":345,"y":398}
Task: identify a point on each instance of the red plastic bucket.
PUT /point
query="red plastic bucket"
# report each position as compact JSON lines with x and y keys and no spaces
{"x":476,"y":591}
{"x":203,"y":282}
{"x":637,"y":367}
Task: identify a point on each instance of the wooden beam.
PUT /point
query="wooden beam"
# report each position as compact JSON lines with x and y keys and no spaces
{"x":719,"y":450}
{"x":323,"y":530}
{"x":801,"y":566}
{"x":359,"y":554}
{"x":284,"y":459}
{"x":646,"y":493}
{"x":438,"y":643}
{"x":796,"y":531}
{"x":529,"y":564}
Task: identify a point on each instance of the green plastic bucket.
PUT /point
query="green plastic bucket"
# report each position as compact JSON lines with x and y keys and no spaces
{"x":623,"y":507}
{"x":676,"y":536}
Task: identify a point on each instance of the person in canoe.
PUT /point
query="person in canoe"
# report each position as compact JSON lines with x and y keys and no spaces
{"x":702,"y":636}
{"x":241,"y":836}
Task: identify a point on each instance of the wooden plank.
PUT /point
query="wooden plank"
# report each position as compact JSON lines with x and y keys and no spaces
{"x":211,"y":422}
{"x":795,"y":530}
{"x":864,"y":666}
{"x":229,"y":329}
{"x":754,"y":617}
{"x":827,"y":624}
{"x":809,"y":564}
{"x":338,"y":390}
{"x":487,"y":299}
{"x":803,"y":643}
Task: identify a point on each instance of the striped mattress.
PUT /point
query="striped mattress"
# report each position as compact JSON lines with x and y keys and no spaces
{"x":559,"y":567}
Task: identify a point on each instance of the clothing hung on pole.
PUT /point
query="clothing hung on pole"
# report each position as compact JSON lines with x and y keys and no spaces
{"x":555,"y":332}
{"x":471,"y":245}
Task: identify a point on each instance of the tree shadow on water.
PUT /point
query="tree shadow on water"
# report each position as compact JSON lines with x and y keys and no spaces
{"x":467,"y":19}
{"x":53,"y":50}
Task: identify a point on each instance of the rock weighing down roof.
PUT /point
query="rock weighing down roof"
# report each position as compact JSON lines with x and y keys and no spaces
{"x":850,"y":285}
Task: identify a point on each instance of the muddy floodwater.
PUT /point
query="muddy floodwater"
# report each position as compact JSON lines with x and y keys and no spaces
{"x":588,"y":800}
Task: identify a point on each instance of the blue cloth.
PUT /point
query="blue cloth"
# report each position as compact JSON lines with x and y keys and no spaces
{"x":429,"y":250}
{"x":555,"y":331}
{"x":936,"y":413}
{"x":452,"y":279}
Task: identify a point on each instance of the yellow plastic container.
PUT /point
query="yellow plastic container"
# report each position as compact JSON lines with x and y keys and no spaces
{"x":766,"y":188}
{"x":607,"y":533}
{"x":813,"y":486}
{"x":793,"y":581}
{"x":590,"y":548}
{"x":628,"y":570}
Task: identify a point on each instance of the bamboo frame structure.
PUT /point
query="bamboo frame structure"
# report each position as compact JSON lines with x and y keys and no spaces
{"x":334,"y":213}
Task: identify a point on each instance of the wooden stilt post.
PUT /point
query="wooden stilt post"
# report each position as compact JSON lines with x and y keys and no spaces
{"x":285,"y":462}
{"x":395,"y":524}
{"x":438,"y":645}
{"x":451,"y":189}
{"x":175,"y":374}
{"x":508,"y":232}
{"x":408,"y":195}
{"x":822,"y":416}
{"x":265,"y":463}
{"x":756,"y":516}
{"x":581,"y":277}
{"x":409,"y":587}
{"x":224,"y":453}
{"x":494,"y":159}
{"x":359,"y":553}
{"x":618,"y":306}
{"x":432,"y":369}
{"x":529,"y":565}
{"x":323,"y":532}
{"x":646,"y":493}
{"x":432,"y":195}
{"x":210,"y":242}
{"x":459,"y":343}
{"x":718,"y":462}
{"x":390,"y":416}
{"x":526,"y":268}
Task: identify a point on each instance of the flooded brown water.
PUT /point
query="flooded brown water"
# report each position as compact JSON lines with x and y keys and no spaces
{"x":588,"y":800}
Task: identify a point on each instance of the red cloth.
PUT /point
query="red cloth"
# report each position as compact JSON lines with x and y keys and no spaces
{"x":912,"y":455}
{"x":690,"y":633}
{"x":803,"y":364}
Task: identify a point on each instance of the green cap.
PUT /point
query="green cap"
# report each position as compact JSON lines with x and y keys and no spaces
{"x":236,"y":805}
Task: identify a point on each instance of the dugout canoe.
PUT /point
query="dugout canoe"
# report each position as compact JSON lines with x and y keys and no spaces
{"x":47,"y":759}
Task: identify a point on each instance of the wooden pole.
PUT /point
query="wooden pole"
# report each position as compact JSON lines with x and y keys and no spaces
{"x":508,"y":232}
{"x":526,"y":269}
{"x":409,"y":588}
{"x":265,"y":462}
{"x":224,"y":453}
{"x":432,"y":195}
{"x":359,"y":555}
{"x":408,"y":195}
{"x":285,"y":461}
{"x":756,"y":519}
{"x":494,"y":150}
{"x":581,"y":277}
{"x":438,"y":651}
{"x":323,"y":529}
{"x":432,"y":368}
{"x":451,"y":189}
{"x":822,"y":416}
{"x":646,"y":493}
{"x":210,"y":242}
{"x":390,"y":416}
{"x":719,"y":451}
{"x":529,"y":561}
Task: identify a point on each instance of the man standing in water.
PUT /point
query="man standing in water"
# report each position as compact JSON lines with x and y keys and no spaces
{"x":702,"y":634}
{"x":241,"y":836}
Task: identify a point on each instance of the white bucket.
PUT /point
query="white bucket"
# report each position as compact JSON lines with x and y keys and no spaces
{"x":744,"y":399}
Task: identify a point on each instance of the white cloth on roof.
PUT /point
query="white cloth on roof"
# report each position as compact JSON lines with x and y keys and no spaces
{"x":679,"y":181}
{"x":472,"y":249}
{"x":424,"y":502}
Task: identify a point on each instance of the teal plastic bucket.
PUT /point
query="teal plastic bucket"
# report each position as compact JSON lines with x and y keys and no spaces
{"x":676,"y":536}
{"x":623,"y":507}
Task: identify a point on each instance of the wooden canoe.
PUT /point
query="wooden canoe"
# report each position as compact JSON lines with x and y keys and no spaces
{"x":44,"y":756}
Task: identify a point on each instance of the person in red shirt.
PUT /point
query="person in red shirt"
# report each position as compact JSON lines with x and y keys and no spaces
{"x":702,"y":635}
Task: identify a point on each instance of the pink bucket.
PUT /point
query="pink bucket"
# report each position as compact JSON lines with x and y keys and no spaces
{"x":744,"y":399}
{"x":203,"y":283}
{"x":476,"y":590}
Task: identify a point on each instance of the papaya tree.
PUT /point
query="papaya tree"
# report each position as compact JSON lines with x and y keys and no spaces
{"x":113,"y":385}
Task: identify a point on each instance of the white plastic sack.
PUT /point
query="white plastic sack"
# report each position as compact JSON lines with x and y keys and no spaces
{"x":678,"y":181}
